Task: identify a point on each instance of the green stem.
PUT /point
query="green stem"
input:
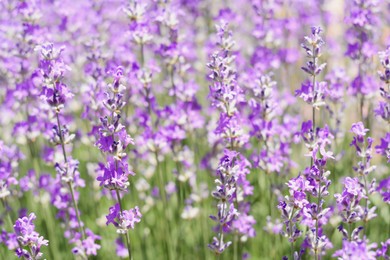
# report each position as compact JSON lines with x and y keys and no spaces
{"x":317,"y":256}
{"x":365,"y":224}
{"x":61,"y":137}
{"x":81,"y":228}
{"x":173,"y":83}
{"x":142,"y":56}
{"x":235,"y":246}
{"x":161,"y":180}
{"x":313,"y":109}
{"x":349,"y":231}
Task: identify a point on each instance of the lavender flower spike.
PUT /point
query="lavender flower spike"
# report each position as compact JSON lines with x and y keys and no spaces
{"x":29,"y":238}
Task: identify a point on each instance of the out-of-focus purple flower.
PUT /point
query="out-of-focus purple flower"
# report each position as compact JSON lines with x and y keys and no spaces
{"x":348,"y":201}
{"x":121,"y":249}
{"x":28,"y":237}
{"x":363,"y":85}
{"x":89,"y":244}
{"x":361,"y":17}
{"x":338,"y":80}
{"x":356,"y":250}
{"x":273,"y":227}
{"x":382,"y":252}
{"x":383,"y":108}
{"x":384,"y":57}
{"x":384,"y":189}
{"x":9,"y":158}
{"x":244,"y":224}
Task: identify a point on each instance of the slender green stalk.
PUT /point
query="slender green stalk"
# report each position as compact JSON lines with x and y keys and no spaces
{"x":171,"y":70}
{"x":77,"y":210}
{"x":290,"y":233}
{"x":350,"y":231}
{"x":235,"y":251}
{"x":161,"y":180}
{"x":164,"y":226}
{"x":81,"y":228}
{"x":365,"y":221}
{"x":61,"y":137}
{"x":142,"y":55}
{"x":313,"y":109}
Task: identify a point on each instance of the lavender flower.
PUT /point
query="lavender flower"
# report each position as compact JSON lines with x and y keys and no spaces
{"x":383,"y":108}
{"x":113,"y":140}
{"x":291,"y":207}
{"x":384,"y":189}
{"x":123,"y":220}
{"x":224,"y":193}
{"x":56,"y":93}
{"x":356,"y":249}
{"x":225,"y":95}
{"x":363,"y":168}
{"x":338,"y":81}
{"x":28,"y":237}
{"x":348,"y":203}
{"x":313,"y":92}
{"x":361,"y":17}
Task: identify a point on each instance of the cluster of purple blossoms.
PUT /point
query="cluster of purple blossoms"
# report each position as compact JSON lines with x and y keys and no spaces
{"x":363,"y":168}
{"x":224,"y":193}
{"x":270,"y":124}
{"x":64,"y":193}
{"x":22,"y":95}
{"x":314,"y":181}
{"x":9,"y":182}
{"x":316,"y":214}
{"x":384,"y":188}
{"x":383,"y":108}
{"x":123,"y":220}
{"x":350,"y":210}
{"x":232,"y":186}
{"x":348,"y":202}
{"x":362,"y":18}
{"x":264,"y":118}
{"x":337,"y":82}
{"x":359,"y":249}
{"x":353,"y":203}
{"x":311,"y":91}
{"x":10,"y":156}
{"x":28,"y":237}
{"x":297,"y":208}
{"x":270,"y":31}
{"x":113,"y":140}
{"x":292,"y":206}
{"x":384,"y":147}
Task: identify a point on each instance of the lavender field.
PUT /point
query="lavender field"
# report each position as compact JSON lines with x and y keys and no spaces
{"x":195,"y":129}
